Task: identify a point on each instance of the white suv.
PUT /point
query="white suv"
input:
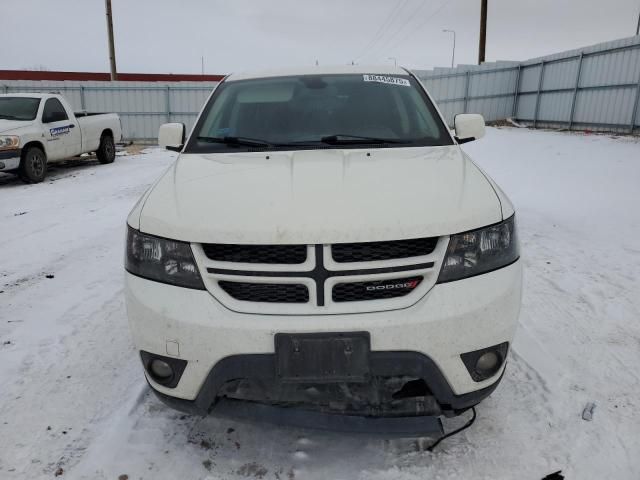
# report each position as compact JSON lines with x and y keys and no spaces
{"x":322,"y":242}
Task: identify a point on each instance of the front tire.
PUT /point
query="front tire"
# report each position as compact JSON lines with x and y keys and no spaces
{"x":33,"y":166}
{"x":106,"y":152}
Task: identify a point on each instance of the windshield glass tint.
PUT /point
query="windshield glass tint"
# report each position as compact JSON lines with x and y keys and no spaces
{"x":18,"y":108}
{"x":286,"y":112}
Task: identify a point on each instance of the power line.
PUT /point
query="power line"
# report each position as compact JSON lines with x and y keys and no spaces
{"x":409,"y":20}
{"x":381,"y":31}
{"x":420,"y":24}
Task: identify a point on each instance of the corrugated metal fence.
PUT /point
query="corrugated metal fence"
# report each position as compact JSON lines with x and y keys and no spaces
{"x":597,"y":87}
{"x":142,"y":106}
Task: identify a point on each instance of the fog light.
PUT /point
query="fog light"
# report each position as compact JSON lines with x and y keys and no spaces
{"x":166,"y":371}
{"x":160,"y":369}
{"x":487,"y":363}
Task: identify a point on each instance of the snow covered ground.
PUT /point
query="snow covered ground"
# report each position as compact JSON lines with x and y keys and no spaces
{"x":73,"y":400}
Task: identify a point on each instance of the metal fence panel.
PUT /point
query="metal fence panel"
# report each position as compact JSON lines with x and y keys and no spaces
{"x":526,"y":106}
{"x":595,"y":87}
{"x":142,"y":106}
{"x":529,"y":78}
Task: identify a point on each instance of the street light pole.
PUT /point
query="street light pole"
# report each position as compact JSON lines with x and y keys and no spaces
{"x":453,"y":54}
{"x":395,"y":60}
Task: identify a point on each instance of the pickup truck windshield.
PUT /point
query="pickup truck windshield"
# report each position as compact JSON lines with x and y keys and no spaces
{"x":318,"y":111}
{"x":18,"y":108}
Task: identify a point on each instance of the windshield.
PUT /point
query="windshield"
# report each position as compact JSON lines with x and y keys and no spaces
{"x":18,"y":108}
{"x":318,"y":111}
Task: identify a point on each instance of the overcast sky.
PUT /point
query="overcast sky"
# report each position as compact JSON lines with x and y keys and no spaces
{"x":170,"y":36}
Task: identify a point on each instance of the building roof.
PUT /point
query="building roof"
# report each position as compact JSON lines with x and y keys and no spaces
{"x":105,"y":77}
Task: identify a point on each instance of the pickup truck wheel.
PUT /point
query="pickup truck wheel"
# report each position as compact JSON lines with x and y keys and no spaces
{"x":106,"y":152}
{"x":33,"y":166}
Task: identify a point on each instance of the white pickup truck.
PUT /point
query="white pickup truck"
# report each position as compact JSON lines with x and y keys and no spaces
{"x":37,"y":129}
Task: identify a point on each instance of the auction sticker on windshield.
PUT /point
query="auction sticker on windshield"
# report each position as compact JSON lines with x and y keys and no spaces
{"x":385,"y":79}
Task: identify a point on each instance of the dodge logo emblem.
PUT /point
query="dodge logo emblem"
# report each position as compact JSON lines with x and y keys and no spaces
{"x":411,"y":284}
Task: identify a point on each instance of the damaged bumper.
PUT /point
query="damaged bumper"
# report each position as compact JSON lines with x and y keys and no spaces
{"x":401,"y":384}
{"x":222,"y":353}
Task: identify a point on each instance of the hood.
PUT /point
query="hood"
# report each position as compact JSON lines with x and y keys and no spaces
{"x":319,"y":196}
{"x":6,"y":126}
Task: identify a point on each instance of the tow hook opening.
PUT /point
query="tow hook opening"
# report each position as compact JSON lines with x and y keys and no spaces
{"x":412,"y":388}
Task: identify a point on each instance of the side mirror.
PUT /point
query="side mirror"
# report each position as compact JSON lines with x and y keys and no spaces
{"x":172,"y":136}
{"x":469,"y":127}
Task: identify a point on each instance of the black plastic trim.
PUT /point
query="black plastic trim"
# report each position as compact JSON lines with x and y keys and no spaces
{"x":416,"y":426}
{"x":384,"y":250}
{"x":6,"y":154}
{"x":265,"y":254}
{"x":266,"y":292}
{"x":387,"y":363}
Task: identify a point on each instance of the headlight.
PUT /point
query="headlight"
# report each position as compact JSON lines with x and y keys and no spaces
{"x":162,"y":260}
{"x":9,"y":142}
{"x":480,"y":251}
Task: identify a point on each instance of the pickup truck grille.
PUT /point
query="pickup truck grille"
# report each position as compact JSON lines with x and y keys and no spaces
{"x":372,"y":251}
{"x":266,"y":292}
{"x":267,"y":254}
{"x":321,"y":279}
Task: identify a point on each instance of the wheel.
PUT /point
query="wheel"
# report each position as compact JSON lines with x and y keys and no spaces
{"x":106,"y":152}
{"x":33,"y":166}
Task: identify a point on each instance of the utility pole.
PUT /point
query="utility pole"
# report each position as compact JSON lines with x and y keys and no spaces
{"x":112,"y":48}
{"x":483,"y":31}
{"x":395,"y":61}
{"x":453,"y":54}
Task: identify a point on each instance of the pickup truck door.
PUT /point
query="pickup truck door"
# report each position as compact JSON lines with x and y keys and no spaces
{"x":61,"y":132}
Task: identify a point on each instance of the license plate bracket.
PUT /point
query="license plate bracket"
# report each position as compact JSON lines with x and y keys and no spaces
{"x":323,"y":357}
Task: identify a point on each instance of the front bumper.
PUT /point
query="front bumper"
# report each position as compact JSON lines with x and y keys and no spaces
{"x":9,"y":160}
{"x":451,"y":319}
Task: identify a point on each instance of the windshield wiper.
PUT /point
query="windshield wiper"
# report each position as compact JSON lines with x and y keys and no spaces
{"x":341,"y":139}
{"x":9,"y":117}
{"x":240,"y":141}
